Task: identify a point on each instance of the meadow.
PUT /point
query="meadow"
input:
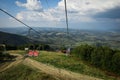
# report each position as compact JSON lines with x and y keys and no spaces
{"x":71,"y":63}
{"x":23,"y":72}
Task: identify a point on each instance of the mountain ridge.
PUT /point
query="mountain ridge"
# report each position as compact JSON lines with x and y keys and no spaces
{"x":13,"y":39}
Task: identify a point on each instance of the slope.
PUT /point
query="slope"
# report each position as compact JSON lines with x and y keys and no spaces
{"x":12,"y":39}
{"x":56,"y":73}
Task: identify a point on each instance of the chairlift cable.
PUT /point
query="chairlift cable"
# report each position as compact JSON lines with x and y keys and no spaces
{"x":19,"y":20}
{"x":47,"y":3}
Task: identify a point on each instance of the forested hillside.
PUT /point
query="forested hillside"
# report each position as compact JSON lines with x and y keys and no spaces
{"x":13,"y":39}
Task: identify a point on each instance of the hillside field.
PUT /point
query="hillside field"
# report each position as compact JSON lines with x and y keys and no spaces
{"x":71,"y":63}
{"x":23,"y":72}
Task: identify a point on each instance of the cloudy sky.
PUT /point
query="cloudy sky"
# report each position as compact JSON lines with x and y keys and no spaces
{"x":82,"y":14}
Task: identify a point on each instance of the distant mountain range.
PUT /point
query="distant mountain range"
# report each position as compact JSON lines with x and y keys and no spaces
{"x":57,"y":37}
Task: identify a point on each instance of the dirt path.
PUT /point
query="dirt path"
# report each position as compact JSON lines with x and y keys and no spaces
{"x":68,"y":75}
{"x":48,"y":69}
{"x":18,"y":60}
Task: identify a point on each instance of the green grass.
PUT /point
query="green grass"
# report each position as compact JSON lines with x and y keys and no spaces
{"x":23,"y":72}
{"x":70,"y":63}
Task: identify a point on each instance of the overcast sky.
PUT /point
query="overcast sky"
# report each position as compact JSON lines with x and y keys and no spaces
{"x":82,"y":14}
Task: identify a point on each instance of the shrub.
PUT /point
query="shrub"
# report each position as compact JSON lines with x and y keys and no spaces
{"x":107,"y":58}
{"x":116,"y":63}
{"x":5,"y":56}
{"x":102,"y":57}
{"x":97,"y":56}
{"x":84,"y":52}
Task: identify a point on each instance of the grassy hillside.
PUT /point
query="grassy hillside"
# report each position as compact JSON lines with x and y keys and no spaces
{"x":71,"y":63}
{"x":23,"y":72}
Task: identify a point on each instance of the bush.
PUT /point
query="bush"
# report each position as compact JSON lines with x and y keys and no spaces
{"x":102,"y":57}
{"x":107,"y":58}
{"x":116,"y":63}
{"x":84,"y":52}
{"x":5,"y":56}
{"x":97,"y":56}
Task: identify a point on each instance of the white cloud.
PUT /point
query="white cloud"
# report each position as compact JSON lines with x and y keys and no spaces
{"x":35,"y":16}
{"x":34,"y":5}
{"x":87,"y":7}
{"x":78,"y":11}
{"x":82,"y":10}
{"x":19,"y":16}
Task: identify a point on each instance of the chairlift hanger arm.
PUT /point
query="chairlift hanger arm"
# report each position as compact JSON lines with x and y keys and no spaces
{"x":66,"y":15}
